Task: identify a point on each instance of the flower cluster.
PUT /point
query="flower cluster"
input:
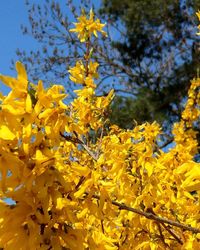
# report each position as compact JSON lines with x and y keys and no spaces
{"x":86,"y":27}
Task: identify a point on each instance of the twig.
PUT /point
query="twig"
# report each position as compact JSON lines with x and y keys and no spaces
{"x":161,"y":235}
{"x":167,"y":228}
{"x":151,"y":216}
{"x":100,"y":142}
{"x":77,"y":140}
{"x":166,"y":143}
{"x":80,"y":182}
{"x":172,"y":233}
{"x":89,"y":152}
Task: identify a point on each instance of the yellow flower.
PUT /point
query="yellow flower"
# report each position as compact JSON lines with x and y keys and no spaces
{"x":19,"y":86}
{"x":86,"y":27}
{"x":77,"y":73}
{"x":6,"y":133}
{"x":82,"y":75}
{"x":198,"y":15}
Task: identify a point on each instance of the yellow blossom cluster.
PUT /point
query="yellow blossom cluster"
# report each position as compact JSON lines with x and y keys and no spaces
{"x":86,"y":27}
{"x":84,"y":75}
{"x":78,"y":182}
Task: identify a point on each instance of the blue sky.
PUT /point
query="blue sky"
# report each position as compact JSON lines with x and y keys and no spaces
{"x":13,"y":14}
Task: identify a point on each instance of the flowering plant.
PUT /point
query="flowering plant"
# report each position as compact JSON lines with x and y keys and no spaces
{"x":79,"y":182}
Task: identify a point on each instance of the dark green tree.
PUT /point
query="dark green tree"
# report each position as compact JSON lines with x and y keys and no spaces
{"x":151,"y":53}
{"x":158,"y":43}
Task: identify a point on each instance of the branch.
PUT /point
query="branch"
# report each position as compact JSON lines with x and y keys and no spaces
{"x":172,"y":233}
{"x":152,"y":216}
{"x":148,"y":215}
{"x":162,"y":236}
{"x":77,"y":140}
{"x":166,"y":143}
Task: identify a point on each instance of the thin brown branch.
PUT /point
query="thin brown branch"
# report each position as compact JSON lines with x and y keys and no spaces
{"x":172,"y":234}
{"x":166,"y":143}
{"x":86,"y":57}
{"x":80,"y":182}
{"x":77,"y":140}
{"x":168,"y":230}
{"x":89,"y":151}
{"x":152,"y":216}
{"x":100,"y":142}
{"x":162,"y":236}
{"x":70,"y":138}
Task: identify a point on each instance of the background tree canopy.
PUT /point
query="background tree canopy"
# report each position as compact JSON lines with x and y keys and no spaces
{"x":149,"y":57}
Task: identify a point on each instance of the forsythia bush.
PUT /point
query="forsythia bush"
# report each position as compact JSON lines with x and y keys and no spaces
{"x":79,"y":182}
